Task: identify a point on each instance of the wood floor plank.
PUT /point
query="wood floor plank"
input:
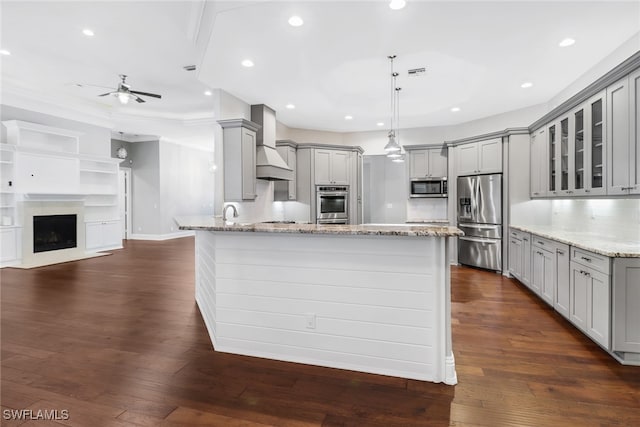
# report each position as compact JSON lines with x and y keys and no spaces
{"x":119,"y":341}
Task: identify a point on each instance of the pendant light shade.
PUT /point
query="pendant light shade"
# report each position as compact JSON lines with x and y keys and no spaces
{"x":392,"y":146}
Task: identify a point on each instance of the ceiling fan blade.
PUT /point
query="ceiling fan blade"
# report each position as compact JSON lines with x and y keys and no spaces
{"x":90,"y":85}
{"x":140,"y":100}
{"x":105,"y":94}
{"x":146,"y":94}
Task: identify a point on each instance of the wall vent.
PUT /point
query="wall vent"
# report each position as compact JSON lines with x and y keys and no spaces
{"x":417,"y":72}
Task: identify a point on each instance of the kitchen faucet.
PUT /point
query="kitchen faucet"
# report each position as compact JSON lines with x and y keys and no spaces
{"x":224,"y":212}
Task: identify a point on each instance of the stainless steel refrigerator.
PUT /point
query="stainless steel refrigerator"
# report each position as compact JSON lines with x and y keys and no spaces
{"x":480,"y":217}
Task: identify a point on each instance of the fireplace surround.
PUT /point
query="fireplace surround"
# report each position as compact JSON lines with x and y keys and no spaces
{"x":32,"y":254}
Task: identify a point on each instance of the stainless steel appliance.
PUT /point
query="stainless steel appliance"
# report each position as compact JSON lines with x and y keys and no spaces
{"x":432,"y":187}
{"x":332,"y":204}
{"x":480,"y":217}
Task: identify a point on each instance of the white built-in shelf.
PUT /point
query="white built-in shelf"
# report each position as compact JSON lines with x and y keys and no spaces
{"x":41,"y":137}
{"x":100,"y":205}
{"x":6,"y":162}
{"x":109,"y":172}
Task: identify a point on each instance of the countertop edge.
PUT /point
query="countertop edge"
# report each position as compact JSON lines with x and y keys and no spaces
{"x":216,"y":225}
{"x":577,"y":244}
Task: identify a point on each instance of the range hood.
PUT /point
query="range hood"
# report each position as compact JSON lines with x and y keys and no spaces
{"x":269,"y":164}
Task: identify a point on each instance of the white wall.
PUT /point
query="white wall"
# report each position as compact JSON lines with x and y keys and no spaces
{"x":616,"y":57}
{"x":186,"y":184}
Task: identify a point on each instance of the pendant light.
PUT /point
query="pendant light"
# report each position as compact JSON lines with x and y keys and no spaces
{"x":392,"y":145}
{"x":398,"y":156}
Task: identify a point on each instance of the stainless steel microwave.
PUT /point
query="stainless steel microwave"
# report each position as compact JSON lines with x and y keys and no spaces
{"x":431,"y":187}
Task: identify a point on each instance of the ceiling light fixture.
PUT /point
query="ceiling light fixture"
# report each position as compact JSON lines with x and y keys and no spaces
{"x":5,"y":52}
{"x":526,"y":85}
{"x":208,"y":92}
{"x":124,"y":97}
{"x":88,"y":32}
{"x":380,"y":123}
{"x":397,"y":4}
{"x":567,"y":42}
{"x":247,"y":63}
{"x":348,"y":117}
{"x":295,"y":21}
{"x":455,"y":109}
{"x":393,"y":147}
{"x":290,"y":106}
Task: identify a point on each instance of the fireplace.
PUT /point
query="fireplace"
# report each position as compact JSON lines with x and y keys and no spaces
{"x":54,"y":232}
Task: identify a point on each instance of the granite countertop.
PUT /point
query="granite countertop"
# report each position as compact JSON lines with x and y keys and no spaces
{"x":611,"y":245}
{"x":207,"y":223}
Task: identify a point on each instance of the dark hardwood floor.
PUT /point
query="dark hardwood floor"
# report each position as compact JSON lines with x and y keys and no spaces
{"x":118,"y":341}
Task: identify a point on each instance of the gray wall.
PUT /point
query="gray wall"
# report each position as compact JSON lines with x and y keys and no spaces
{"x":145,"y":187}
{"x":95,"y":140}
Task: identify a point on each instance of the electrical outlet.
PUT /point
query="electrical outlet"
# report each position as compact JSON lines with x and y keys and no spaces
{"x":310,"y":320}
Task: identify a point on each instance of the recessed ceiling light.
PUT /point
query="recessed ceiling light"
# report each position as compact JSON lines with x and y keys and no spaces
{"x":380,"y":124}
{"x":247,"y":63}
{"x":455,"y":109}
{"x":5,"y":52}
{"x":567,"y":42}
{"x":348,"y":117}
{"x":87,"y":32}
{"x":397,"y":4}
{"x":295,"y":21}
{"x":290,"y":106}
{"x":526,"y":85}
{"x":208,"y":92}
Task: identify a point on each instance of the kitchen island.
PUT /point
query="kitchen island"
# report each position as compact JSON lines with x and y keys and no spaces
{"x":370,"y":298}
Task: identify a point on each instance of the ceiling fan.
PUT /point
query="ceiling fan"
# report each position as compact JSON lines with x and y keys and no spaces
{"x":125,"y":94}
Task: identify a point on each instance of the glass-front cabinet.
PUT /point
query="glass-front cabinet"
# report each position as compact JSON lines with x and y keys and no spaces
{"x":551,"y":135}
{"x":576,"y":154}
{"x":578,"y":151}
{"x":597,"y":160}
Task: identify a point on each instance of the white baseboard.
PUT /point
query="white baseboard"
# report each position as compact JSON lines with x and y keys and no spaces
{"x":169,"y":236}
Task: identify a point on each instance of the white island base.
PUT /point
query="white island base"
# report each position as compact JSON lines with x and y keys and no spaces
{"x":369,"y":303}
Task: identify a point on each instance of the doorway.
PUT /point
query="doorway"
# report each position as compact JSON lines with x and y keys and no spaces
{"x":124,"y":201}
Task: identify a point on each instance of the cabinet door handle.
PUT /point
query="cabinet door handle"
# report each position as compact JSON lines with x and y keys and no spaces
{"x":560,"y":252}
{"x":513,"y":241}
{"x":585,"y":258}
{"x":525,"y":239}
{"x":540,"y":243}
{"x":569,"y":192}
{"x":587,"y":191}
{"x":514,"y":234}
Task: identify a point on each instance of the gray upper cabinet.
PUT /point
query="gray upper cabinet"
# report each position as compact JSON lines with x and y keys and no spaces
{"x":331,"y":167}
{"x":239,"y":157}
{"x":480,"y":157}
{"x":622,"y":135}
{"x":539,"y":163}
{"x":286,"y":190}
{"x":428,"y":163}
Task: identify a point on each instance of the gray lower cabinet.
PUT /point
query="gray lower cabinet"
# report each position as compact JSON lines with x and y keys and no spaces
{"x":563,"y":294}
{"x":590,"y":293}
{"x":626,"y":307}
{"x":543,"y":272}
{"x":520,"y":256}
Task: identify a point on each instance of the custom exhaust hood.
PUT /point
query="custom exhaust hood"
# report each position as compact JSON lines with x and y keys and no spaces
{"x":269,"y":164}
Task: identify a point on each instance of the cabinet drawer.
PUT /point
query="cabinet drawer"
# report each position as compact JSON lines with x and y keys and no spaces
{"x":589,"y":259}
{"x":522,"y":235}
{"x":543,"y":243}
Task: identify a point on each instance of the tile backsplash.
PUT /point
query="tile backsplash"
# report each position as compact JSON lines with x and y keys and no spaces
{"x":618,"y":217}
{"x":424,"y":209}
